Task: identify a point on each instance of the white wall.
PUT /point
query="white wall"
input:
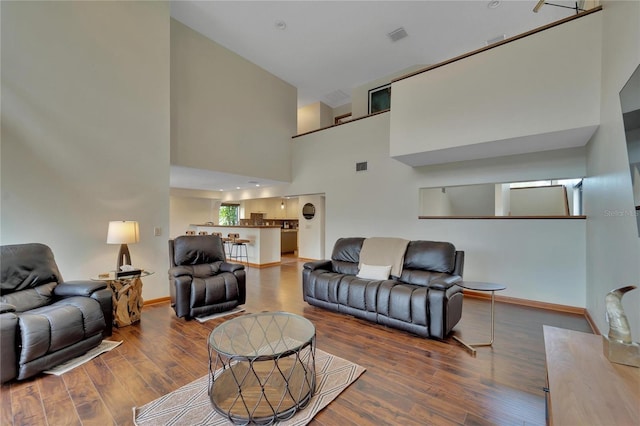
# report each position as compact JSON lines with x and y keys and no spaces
{"x":228,"y":114}
{"x":185,"y":211}
{"x":537,"y":259}
{"x":85,"y":131}
{"x":613,"y":246}
{"x":537,"y":93}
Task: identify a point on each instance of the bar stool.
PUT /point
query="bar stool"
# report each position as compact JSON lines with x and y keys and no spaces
{"x":227,"y":241}
{"x":240,"y":247}
{"x":191,"y":233}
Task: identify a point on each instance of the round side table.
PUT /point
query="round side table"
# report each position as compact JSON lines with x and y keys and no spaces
{"x":481,"y":286}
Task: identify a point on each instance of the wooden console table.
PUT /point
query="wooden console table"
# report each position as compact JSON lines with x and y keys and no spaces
{"x":585,"y":388}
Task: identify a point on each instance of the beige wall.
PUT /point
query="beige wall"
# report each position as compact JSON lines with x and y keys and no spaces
{"x":537,"y":93}
{"x":613,"y":246}
{"x":228,"y":114}
{"x":85,"y":131}
{"x":314,"y":116}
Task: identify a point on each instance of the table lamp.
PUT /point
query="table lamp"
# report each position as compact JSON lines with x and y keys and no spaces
{"x":123,"y":232}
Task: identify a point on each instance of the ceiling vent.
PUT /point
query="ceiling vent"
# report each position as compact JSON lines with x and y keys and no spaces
{"x":398,"y":34}
{"x":361,"y":167}
{"x":336,"y":97}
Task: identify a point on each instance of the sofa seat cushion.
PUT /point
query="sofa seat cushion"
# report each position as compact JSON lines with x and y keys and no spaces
{"x":53,"y":327}
{"x":423,"y":278}
{"x":323,"y":285}
{"x":358,"y":293}
{"x":403,"y":302}
{"x":214,"y":289}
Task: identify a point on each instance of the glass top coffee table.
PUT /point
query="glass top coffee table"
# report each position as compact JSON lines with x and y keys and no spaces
{"x":262,"y":367}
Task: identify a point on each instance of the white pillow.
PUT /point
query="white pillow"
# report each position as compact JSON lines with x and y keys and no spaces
{"x":373,"y":272}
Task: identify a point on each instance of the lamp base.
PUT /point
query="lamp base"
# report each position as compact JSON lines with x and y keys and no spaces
{"x":124,"y":257}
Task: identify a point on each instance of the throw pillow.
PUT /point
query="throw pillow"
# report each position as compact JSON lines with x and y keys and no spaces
{"x":374,"y":272}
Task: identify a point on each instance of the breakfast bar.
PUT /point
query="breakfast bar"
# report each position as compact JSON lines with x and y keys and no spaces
{"x":263,"y":248}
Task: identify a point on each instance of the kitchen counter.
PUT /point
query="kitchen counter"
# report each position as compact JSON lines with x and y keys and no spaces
{"x":263,"y":248}
{"x":204,"y":225}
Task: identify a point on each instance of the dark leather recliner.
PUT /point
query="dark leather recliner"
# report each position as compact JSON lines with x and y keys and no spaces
{"x":423,"y":300}
{"x":45,"y":321}
{"x":201,"y":282}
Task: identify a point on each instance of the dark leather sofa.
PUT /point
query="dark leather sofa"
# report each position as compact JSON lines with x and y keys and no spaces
{"x":423,"y":300}
{"x":45,"y":321}
{"x":201,"y":281}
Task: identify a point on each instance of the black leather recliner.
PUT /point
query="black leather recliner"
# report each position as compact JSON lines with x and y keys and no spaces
{"x":45,"y":321}
{"x":201,"y":282}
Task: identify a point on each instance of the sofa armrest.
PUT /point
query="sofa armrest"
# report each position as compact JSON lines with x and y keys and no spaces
{"x":6,"y":307}
{"x":444,"y":283}
{"x":318,"y":264}
{"x":230,"y":267}
{"x":78,"y":288}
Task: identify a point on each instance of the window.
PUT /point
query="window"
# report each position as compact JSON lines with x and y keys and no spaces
{"x":380,"y":99}
{"x":228,"y":214}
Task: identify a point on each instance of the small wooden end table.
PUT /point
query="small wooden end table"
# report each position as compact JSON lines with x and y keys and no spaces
{"x":126,"y":296}
{"x":481,"y":286}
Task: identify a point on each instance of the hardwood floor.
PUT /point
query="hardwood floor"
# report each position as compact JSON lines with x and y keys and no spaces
{"x":409,"y":380}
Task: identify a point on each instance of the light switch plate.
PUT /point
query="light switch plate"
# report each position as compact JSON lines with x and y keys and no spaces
{"x":157,"y":231}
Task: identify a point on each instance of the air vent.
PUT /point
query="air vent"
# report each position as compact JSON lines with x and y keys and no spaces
{"x":398,"y":34}
{"x":361,"y":167}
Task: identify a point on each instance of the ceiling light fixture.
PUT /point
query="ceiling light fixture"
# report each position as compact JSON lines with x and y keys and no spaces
{"x":493,"y":4}
{"x":281,"y":25}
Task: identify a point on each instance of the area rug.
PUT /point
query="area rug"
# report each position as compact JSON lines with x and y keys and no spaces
{"x":104,"y":346}
{"x":221,"y":314}
{"x":190,"y":405}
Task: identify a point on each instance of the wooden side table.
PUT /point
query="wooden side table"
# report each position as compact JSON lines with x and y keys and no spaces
{"x":126,"y":296}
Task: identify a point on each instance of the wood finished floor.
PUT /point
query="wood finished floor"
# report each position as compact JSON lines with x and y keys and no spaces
{"x":409,"y":380}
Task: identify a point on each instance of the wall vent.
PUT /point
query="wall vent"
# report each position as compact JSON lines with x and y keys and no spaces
{"x":361,"y":167}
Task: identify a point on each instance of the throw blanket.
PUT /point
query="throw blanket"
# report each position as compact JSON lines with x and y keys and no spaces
{"x":383,"y":251}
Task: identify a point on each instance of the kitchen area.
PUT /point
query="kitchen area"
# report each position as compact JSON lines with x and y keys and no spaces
{"x":269,"y":228}
{"x":282,"y":212}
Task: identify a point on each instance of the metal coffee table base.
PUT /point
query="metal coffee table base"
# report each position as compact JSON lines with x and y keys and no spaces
{"x":263,"y":392}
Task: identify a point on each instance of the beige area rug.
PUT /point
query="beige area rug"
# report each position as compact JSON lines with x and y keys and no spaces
{"x":104,"y":346}
{"x":219,"y":315}
{"x":190,"y":405}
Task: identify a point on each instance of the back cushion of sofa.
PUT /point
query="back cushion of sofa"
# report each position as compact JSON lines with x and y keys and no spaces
{"x":433,"y":256}
{"x":197,"y":249}
{"x":346,"y":255}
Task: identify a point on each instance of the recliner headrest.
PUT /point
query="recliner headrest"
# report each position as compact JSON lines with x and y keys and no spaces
{"x":433,"y":256}
{"x":27,"y":266}
{"x":197,"y":249}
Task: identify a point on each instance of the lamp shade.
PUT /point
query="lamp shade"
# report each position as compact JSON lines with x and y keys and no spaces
{"x":123,"y":232}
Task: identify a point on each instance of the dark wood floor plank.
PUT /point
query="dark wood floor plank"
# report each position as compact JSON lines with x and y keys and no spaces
{"x":89,"y":405}
{"x":26,"y":404}
{"x":409,"y":380}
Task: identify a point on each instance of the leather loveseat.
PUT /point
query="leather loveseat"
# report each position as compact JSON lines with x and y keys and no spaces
{"x":45,"y":321}
{"x":423,"y":300}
